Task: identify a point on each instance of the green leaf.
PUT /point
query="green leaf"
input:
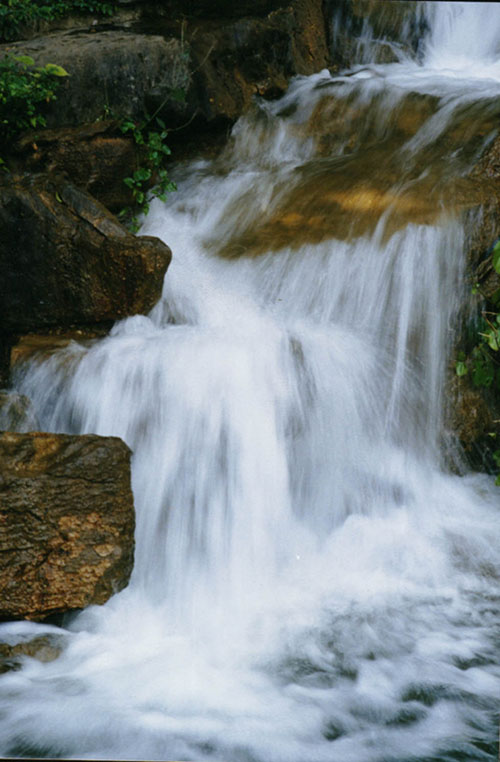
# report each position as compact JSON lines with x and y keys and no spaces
{"x":482,"y":371}
{"x":497,"y":481}
{"x":461,"y":368}
{"x":126,"y":126}
{"x":496,"y":257}
{"x":492,"y":339}
{"x":142,"y":174}
{"x":26,"y":60}
{"x":178,"y":94}
{"x":55,"y":70}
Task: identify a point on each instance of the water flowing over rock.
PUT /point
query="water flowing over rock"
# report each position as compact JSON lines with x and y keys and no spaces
{"x":67,"y":522}
{"x":317,"y":567}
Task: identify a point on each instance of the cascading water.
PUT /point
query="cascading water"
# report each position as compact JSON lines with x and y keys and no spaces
{"x":310,"y":583}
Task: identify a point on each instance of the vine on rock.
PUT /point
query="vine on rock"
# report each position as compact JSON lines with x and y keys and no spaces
{"x":24,"y":90}
{"x":149,"y":136}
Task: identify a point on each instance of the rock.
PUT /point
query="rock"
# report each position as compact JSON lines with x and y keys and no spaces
{"x":66,"y":261}
{"x":373,"y":30}
{"x":199,"y":69}
{"x":95,"y":156}
{"x":44,"y":648}
{"x":16,"y":413}
{"x":66,"y":522}
{"x":126,"y":72}
{"x":256,"y":56}
{"x":41,"y":346}
{"x":470,"y":416}
{"x":475,"y":411}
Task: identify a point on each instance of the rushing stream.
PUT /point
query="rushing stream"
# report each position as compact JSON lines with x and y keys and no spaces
{"x":312,"y":583}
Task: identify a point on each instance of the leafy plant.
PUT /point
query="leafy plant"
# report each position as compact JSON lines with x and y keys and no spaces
{"x":15,"y":14}
{"x":483,"y":361}
{"x":24,"y":90}
{"x":153,"y":152}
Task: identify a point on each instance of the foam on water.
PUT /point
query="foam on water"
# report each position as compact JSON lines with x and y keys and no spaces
{"x":310,"y":583}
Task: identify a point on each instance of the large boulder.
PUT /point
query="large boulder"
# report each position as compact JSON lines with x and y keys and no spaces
{"x":66,"y":522}
{"x":66,"y":261}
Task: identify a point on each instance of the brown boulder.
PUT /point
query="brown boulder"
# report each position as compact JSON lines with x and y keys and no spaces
{"x":66,"y":261}
{"x":95,"y":156}
{"x":66,"y":522}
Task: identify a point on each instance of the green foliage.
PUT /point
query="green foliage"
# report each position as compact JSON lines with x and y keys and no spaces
{"x":496,"y":458}
{"x":24,"y":89}
{"x":15,"y":14}
{"x":483,"y":361}
{"x":149,"y":135}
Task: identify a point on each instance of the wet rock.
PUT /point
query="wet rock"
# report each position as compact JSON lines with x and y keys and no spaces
{"x":373,"y":30}
{"x":45,"y":648}
{"x":475,"y":410}
{"x":471,"y":417}
{"x":66,"y":522}
{"x":41,"y":346}
{"x":66,"y":261}
{"x":16,"y":413}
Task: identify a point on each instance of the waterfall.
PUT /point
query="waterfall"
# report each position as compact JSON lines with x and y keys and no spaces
{"x":311,"y":581}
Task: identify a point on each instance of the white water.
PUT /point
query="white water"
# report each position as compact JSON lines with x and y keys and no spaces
{"x":310,"y":582}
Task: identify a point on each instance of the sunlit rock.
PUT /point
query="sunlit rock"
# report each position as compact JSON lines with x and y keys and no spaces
{"x":66,"y":522}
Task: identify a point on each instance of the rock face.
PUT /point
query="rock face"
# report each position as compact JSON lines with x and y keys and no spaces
{"x":66,"y":261}
{"x":16,"y":413}
{"x":66,"y":522}
{"x":94,"y":156}
{"x":373,"y":30}
{"x":475,"y":410}
{"x":117,"y":69}
{"x":189,"y":66}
